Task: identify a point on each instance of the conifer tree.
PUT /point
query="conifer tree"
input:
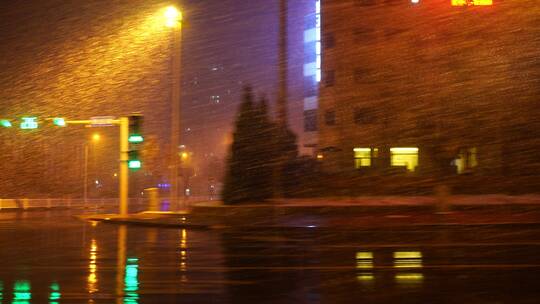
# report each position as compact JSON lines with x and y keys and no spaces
{"x":260,"y":149}
{"x":243,"y":177}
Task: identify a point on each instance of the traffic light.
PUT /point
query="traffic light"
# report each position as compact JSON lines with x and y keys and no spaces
{"x":134,"y":161}
{"x":135,"y":126}
{"x":135,"y":139}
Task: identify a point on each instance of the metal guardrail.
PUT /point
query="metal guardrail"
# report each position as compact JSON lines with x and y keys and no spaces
{"x":48,"y":203}
{"x":135,"y":204}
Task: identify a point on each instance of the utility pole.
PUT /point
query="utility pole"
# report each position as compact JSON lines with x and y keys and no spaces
{"x":123,"y":184}
{"x":85,"y":179}
{"x":282,"y":97}
{"x":175,"y":115}
{"x":124,"y":173}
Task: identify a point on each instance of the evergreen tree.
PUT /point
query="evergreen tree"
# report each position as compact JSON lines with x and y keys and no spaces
{"x":286,"y":152}
{"x":246,"y":180}
{"x":260,"y":152}
{"x":265,"y":150}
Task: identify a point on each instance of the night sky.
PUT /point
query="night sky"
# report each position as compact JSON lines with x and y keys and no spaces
{"x":103,"y":57}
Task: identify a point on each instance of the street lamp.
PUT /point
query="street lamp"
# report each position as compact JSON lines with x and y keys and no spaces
{"x":95,"y":138}
{"x":173,"y":20}
{"x":173,"y":17}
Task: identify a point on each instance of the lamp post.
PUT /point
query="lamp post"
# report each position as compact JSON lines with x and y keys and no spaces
{"x":95,"y":138}
{"x":173,"y":20}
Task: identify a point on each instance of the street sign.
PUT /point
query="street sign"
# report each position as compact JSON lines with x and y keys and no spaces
{"x":59,"y":121}
{"x":102,"y":121}
{"x":29,"y":123}
{"x":5,"y":123}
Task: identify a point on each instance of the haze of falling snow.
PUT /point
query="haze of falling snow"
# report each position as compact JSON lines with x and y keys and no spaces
{"x":85,"y":58}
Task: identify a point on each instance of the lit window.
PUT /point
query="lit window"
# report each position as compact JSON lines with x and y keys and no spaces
{"x":471,"y":2}
{"x":466,"y":160}
{"x":404,"y":157}
{"x":363,"y":157}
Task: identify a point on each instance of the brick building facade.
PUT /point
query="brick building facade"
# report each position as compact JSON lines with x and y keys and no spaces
{"x":430,"y":87}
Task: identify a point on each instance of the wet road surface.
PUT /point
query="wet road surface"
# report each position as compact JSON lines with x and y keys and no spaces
{"x":50,"y":257}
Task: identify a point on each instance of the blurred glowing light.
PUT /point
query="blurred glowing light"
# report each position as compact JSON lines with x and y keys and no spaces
{"x":415,"y":1}
{"x":471,"y":2}
{"x":135,"y":139}
{"x":29,"y":123}
{"x":92,"y":267}
{"x":173,"y":16}
{"x":409,"y":277}
{"x":134,"y":164}
{"x":5,"y":123}
{"x":364,"y":255}
{"x":59,"y":121}
{"x":21,"y":292}
{"x":407,"y":255}
{"x":96,"y":137}
{"x":365,"y":277}
{"x":55,"y":294}
{"x":131,"y":281}
{"x":364,"y":259}
{"x":408,"y":259}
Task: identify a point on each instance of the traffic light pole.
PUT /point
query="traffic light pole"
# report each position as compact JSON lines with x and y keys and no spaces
{"x":124,"y":172}
{"x":123,"y":122}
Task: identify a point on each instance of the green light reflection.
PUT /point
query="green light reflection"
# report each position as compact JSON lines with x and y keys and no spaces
{"x":131,"y":281}
{"x":55,"y":294}
{"x":21,"y":292}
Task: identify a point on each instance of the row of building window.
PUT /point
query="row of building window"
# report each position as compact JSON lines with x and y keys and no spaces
{"x":361,"y":75}
{"x":361,"y":116}
{"x":364,"y":35}
{"x":398,"y":2}
{"x":407,"y":157}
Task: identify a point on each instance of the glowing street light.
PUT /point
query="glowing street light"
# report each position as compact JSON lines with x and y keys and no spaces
{"x":173,"y":17}
{"x":96,"y":137}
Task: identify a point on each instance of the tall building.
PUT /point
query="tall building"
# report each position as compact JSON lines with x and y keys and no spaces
{"x":418,"y":87}
{"x":312,"y":72}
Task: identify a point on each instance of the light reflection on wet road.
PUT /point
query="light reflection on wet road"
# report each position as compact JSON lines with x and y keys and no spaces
{"x":53,"y":258}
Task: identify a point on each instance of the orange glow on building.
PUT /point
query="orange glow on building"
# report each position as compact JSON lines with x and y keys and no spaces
{"x":471,"y":2}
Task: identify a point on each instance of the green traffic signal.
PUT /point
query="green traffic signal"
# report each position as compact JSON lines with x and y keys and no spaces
{"x":134,"y":161}
{"x":135,"y":138}
{"x":5,"y":123}
{"x":134,"y":164}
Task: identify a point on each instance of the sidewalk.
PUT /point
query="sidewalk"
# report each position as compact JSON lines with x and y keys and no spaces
{"x":352,"y":213}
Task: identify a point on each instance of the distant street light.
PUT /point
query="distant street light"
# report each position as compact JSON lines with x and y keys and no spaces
{"x":173,"y":20}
